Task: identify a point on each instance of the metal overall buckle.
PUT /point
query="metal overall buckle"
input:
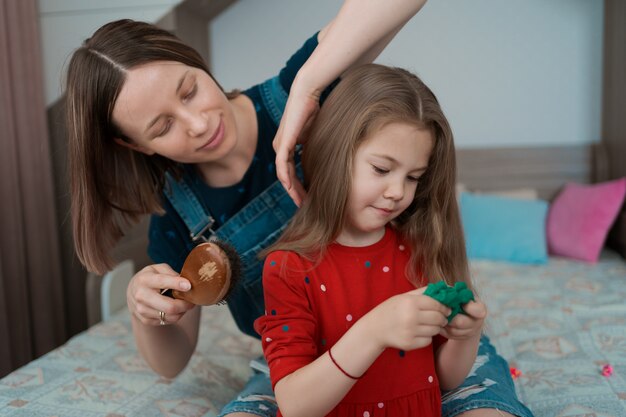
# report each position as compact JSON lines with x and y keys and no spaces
{"x":199,"y":237}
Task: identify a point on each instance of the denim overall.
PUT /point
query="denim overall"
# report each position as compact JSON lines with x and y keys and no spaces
{"x":252,"y":229}
{"x":257,"y":226}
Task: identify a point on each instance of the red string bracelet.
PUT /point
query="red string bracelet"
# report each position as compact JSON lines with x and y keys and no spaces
{"x":341,"y":369}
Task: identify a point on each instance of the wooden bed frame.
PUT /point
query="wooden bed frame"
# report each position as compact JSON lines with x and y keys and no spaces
{"x":545,"y":169}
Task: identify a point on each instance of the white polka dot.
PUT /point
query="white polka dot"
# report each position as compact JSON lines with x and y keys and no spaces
{"x":381,"y":405}
{"x":263,"y":407}
{"x":385,"y":269}
{"x":430,"y":379}
{"x":401,"y":247}
{"x":268,"y":339}
{"x":323,"y":287}
{"x":349,"y":317}
{"x":366,"y":414}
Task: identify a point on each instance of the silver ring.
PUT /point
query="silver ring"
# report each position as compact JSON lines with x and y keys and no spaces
{"x":162,"y":318}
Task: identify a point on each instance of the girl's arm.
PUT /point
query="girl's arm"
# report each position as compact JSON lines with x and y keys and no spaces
{"x":358,"y":33}
{"x":406,"y":321}
{"x":455,"y":358}
{"x":317,"y":388}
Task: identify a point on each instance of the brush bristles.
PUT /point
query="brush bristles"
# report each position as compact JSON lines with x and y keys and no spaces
{"x":235,"y":267}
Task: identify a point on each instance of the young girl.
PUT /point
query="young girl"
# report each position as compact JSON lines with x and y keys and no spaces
{"x":348,"y":331}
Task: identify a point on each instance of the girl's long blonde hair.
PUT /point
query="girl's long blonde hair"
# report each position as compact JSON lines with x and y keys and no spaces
{"x":367,"y":98}
{"x":111,"y":185}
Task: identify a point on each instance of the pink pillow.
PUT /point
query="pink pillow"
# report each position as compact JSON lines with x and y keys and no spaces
{"x":580,"y":218}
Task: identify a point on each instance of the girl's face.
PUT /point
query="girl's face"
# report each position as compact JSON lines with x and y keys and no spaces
{"x":387,"y":167}
{"x":176,"y":111}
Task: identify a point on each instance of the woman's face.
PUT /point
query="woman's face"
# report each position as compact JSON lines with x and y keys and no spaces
{"x":176,"y":111}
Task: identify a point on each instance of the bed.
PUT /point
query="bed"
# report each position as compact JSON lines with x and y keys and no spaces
{"x":557,"y":323}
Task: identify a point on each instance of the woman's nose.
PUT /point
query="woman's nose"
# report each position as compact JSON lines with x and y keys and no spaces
{"x":197,"y":123}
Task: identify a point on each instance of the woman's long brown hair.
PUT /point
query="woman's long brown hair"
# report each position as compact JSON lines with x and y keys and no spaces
{"x":111,"y":185}
{"x":367,"y":98}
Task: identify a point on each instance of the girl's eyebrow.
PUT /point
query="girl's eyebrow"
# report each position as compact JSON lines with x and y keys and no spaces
{"x":394,"y":161}
{"x":178,"y":87}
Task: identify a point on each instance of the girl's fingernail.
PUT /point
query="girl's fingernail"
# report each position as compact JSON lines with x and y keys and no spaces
{"x":185,"y":286}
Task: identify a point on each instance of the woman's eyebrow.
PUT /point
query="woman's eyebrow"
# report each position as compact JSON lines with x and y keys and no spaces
{"x":178,"y":87}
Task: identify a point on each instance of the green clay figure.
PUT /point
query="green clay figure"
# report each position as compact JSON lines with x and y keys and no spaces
{"x":453,"y":297}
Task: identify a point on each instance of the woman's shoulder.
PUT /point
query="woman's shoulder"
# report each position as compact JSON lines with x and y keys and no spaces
{"x":296,"y":61}
{"x":270,"y":97}
{"x":288,"y":72}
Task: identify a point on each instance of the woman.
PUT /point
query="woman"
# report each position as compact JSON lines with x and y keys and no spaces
{"x":152,"y":132}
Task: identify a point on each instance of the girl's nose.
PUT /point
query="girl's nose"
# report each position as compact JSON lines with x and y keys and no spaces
{"x":394,"y":190}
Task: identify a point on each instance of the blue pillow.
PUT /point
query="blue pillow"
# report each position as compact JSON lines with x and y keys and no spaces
{"x":505,"y":229}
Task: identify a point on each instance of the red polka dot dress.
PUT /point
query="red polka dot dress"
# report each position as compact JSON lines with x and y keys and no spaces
{"x":310,"y":307}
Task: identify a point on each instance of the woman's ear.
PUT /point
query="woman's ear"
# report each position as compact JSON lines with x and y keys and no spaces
{"x":132,"y":146}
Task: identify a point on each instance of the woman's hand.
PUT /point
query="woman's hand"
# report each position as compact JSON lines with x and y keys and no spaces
{"x":300,"y":111}
{"x":468,"y":325}
{"x":144,"y":298}
{"x":407,"y":321}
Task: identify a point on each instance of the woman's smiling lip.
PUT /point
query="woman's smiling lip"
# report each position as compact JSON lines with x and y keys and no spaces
{"x":216,"y":139}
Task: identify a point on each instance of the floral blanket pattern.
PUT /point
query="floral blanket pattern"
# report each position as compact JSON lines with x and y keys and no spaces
{"x":558,"y":324}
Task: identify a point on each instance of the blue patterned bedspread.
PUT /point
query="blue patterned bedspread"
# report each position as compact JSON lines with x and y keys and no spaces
{"x":559,"y":324}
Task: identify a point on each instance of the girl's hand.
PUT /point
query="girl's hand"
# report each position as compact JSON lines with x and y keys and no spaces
{"x":300,"y":111}
{"x":407,"y":321}
{"x":144,"y":298}
{"x":468,"y":325}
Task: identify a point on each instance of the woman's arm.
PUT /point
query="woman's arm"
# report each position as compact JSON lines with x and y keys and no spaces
{"x":167,"y":349}
{"x":358,"y":33}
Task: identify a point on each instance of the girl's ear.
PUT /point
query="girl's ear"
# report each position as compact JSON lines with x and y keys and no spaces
{"x":137,"y":148}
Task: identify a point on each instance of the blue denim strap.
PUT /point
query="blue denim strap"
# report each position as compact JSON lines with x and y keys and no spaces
{"x":274,"y":98}
{"x":253,"y":228}
{"x":197,"y":219}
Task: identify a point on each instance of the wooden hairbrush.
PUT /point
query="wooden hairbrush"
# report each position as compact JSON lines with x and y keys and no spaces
{"x":213,"y":269}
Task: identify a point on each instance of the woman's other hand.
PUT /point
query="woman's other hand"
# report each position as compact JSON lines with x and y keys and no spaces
{"x":300,"y":111}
